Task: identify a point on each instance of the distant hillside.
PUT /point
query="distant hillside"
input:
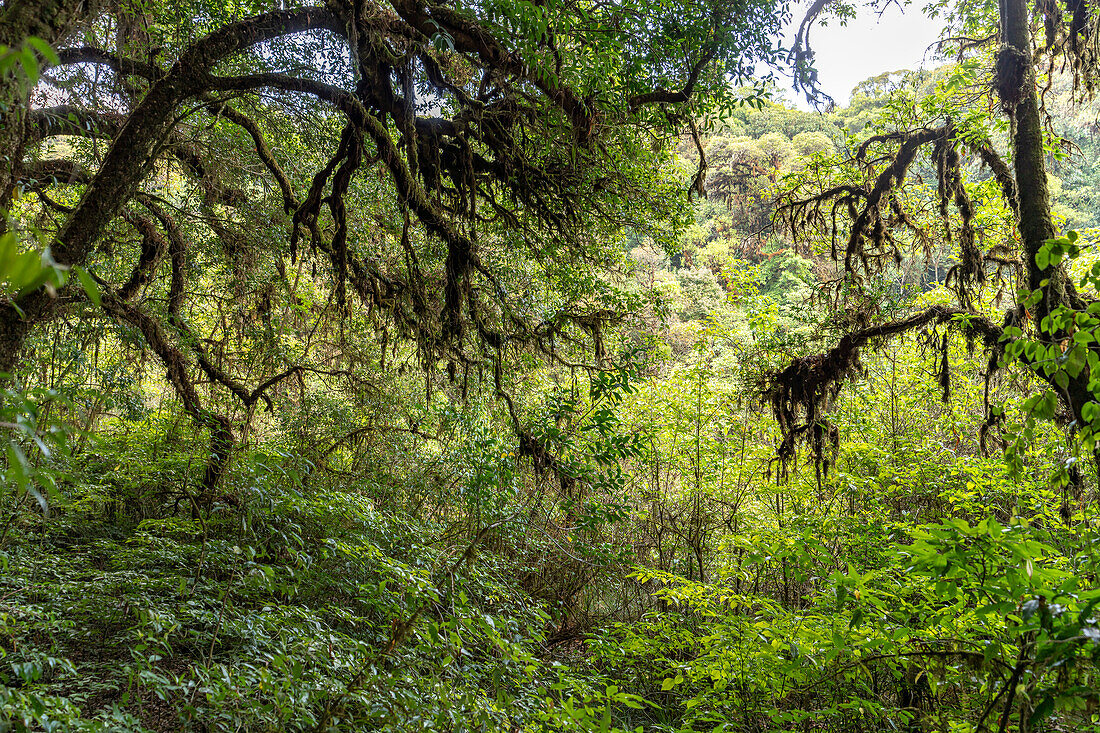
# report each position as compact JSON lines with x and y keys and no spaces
{"x":749,"y":152}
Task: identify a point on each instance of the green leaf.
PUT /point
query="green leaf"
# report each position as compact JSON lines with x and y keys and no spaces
{"x":1075,"y":361}
{"x":1042,"y":710}
{"x":91,"y":288}
{"x":18,"y":468}
{"x":45,"y":49}
{"x":30,"y":65}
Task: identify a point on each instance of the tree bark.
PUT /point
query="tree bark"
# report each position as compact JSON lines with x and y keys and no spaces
{"x":1016,"y":86}
{"x":134,"y":150}
{"x":1018,"y":91}
{"x":50,"y":20}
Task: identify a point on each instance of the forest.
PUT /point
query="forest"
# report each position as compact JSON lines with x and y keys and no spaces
{"x":541,"y":365}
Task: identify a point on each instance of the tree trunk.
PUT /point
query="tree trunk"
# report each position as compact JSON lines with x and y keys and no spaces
{"x":50,"y":20}
{"x":1019,"y":95}
{"x":133,"y":151}
{"x":1016,"y":86}
{"x":13,"y":332}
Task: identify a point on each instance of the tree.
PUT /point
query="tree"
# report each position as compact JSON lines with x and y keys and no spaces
{"x":439,"y":161}
{"x":868,"y":213}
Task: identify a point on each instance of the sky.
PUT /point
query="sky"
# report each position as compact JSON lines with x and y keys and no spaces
{"x":868,"y":46}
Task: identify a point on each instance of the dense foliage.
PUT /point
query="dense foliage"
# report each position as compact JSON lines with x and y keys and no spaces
{"x":526,"y":366}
